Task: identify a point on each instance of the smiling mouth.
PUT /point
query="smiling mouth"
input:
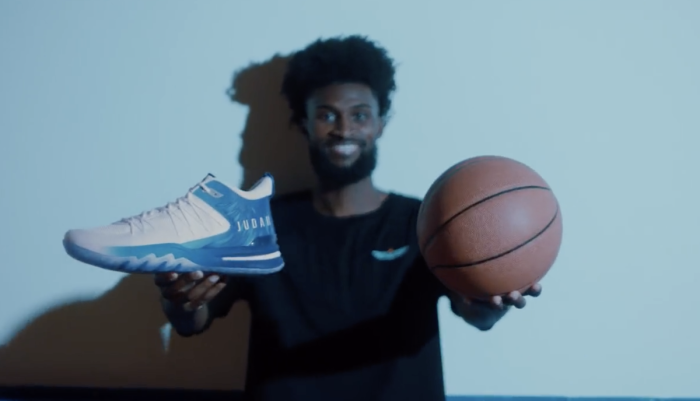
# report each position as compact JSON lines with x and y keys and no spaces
{"x":344,"y":149}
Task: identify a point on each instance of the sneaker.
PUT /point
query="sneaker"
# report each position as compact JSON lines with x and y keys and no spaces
{"x":214,"y":228}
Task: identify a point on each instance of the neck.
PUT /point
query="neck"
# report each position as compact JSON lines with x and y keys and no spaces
{"x":355,"y":199}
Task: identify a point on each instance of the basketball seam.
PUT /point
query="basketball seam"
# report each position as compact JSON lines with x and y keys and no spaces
{"x":431,"y":238}
{"x":490,"y":258}
{"x":448,"y":174}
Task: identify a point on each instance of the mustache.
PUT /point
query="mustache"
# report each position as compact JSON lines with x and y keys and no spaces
{"x":334,"y":141}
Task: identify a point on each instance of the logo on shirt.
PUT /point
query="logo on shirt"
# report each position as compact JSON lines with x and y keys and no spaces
{"x":390,"y":254}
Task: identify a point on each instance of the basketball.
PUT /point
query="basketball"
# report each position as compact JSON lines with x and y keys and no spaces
{"x":488,"y":226}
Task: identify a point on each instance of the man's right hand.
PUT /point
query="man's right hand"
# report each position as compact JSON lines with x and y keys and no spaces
{"x":190,"y":291}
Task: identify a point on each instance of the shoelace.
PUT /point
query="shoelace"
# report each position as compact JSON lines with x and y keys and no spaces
{"x":169,"y":209}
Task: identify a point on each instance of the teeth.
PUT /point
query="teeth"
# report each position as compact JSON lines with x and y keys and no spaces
{"x":345,"y":149}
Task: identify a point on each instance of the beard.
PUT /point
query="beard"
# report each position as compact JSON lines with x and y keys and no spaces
{"x":332,"y":177}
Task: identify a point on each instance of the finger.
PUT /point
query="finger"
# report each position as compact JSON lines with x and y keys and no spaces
{"x":198,"y":291}
{"x":162,"y":279}
{"x":516,"y":299}
{"x":178,"y":289}
{"x":168,"y":279}
{"x":209,"y":295}
{"x":497,"y":302}
{"x":193,"y":276}
{"x":534,"y":291}
{"x":477,"y":302}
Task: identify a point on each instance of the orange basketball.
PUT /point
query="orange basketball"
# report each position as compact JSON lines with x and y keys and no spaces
{"x":488,"y":226}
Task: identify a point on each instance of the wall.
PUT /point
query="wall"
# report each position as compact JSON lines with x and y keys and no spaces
{"x":111,"y":108}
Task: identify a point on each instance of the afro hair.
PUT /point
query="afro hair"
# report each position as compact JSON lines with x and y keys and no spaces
{"x":340,"y":60}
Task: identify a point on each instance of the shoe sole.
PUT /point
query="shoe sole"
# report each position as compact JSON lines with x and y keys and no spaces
{"x":265,"y":264}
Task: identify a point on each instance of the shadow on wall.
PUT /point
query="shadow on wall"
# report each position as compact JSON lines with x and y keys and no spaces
{"x":269,"y":143}
{"x":115,"y":340}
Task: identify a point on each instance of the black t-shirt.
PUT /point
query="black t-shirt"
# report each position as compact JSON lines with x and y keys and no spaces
{"x":353,"y":314}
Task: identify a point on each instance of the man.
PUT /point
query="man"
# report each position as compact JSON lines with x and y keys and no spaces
{"x":353,"y":314}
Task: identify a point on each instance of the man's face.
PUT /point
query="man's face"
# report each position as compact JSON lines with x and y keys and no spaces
{"x":343,"y":124}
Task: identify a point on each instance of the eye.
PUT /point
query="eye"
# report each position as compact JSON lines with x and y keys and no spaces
{"x":360,"y":116}
{"x":326,"y":116}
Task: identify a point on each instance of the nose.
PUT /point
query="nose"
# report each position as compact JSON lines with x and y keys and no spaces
{"x":342,"y":128}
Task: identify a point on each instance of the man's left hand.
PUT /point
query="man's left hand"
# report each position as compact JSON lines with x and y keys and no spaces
{"x":515,"y":298}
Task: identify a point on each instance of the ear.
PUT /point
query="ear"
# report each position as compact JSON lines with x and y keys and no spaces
{"x":382,"y":123}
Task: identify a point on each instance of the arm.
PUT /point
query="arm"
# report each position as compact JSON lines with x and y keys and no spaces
{"x":483,"y":314}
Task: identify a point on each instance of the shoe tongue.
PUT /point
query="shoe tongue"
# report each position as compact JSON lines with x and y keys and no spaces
{"x":210,"y":177}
